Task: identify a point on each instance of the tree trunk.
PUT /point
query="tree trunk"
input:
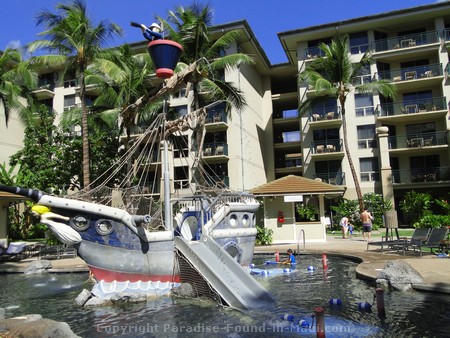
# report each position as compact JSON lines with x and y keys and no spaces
{"x":84,"y":132}
{"x":349,"y":158}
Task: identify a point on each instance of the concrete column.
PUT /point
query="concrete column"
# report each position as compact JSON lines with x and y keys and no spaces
{"x":386,"y":171}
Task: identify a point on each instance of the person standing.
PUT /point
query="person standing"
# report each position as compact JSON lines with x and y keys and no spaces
{"x":344,"y":223}
{"x":366,"y":219}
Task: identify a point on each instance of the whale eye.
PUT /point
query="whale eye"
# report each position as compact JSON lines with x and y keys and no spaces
{"x":79,"y":223}
{"x":104,"y":227}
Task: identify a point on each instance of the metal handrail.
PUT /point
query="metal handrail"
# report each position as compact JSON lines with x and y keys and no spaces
{"x":302,"y":231}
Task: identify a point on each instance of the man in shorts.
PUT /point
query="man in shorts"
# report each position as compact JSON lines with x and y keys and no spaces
{"x":366,"y":219}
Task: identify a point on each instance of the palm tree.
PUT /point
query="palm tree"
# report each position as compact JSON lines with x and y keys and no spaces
{"x":78,"y":42}
{"x":121,"y":79}
{"x":16,"y":80}
{"x":333,"y":76}
{"x":192,"y":29}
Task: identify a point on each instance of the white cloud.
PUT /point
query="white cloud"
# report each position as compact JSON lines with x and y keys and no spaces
{"x":14,"y":44}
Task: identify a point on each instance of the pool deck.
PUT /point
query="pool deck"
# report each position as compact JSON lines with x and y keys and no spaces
{"x":435,"y":271}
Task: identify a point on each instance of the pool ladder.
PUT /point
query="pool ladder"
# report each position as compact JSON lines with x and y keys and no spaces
{"x":301,"y":235}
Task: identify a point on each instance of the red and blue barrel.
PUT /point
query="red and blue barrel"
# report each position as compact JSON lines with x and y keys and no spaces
{"x":165,"y":55}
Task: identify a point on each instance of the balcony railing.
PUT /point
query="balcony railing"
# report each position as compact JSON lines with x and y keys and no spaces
{"x":433,"y":174}
{"x":216,"y":117}
{"x":411,"y":73}
{"x":447,"y":34}
{"x":289,"y":163}
{"x":336,"y":178}
{"x":326,"y":146}
{"x":324,"y":114}
{"x":405,"y":41}
{"x":418,"y":140}
{"x":215,"y":149}
{"x":411,"y":106}
{"x":313,"y":52}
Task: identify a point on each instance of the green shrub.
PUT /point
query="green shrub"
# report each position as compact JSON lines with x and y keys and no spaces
{"x":264,"y":235}
{"x":433,"y":221}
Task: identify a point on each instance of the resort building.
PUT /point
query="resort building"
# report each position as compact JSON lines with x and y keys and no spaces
{"x":397,"y":145}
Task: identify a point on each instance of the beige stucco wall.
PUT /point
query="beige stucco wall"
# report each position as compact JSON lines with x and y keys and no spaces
{"x":248,"y":148}
{"x":289,"y":231}
{"x":11,"y":137}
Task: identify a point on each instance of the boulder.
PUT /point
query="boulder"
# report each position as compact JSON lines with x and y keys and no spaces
{"x":128,"y":297}
{"x":83,"y":297}
{"x":34,"y":325}
{"x":38,"y":267}
{"x":399,"y":275}
{"x":184,"y":290}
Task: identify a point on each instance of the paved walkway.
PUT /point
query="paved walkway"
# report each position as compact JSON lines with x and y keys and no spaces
{"x":435,"y":271}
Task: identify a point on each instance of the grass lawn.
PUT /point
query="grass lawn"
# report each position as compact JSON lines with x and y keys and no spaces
{"x":376,"y":233}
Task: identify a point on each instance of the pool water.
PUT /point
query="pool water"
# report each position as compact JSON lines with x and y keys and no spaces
{"x":408,"y":314}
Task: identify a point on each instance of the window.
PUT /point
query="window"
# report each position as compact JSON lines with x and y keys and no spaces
{"x":69,"y":102}
{"x":215,"y":144}
{"x":363,"y":76}
{"x":359,"y":43}
{"x":364,"y":105}
{"x":180,"y":94}
{"x":70,"y":80}
{"x":325,"y":109}
{"x":181,"y":110}
{"x":424,"y":168}
{"x":369,"y":169}
{"x":366,"y":136}
{"x":216,"y":114}
{"x":416,"y":130}
{"x":313,"y":50}
{"x":180,"y":146}
{"x":46,"y":81}
{"x":217,"y":173}
{"x":181,"y":177}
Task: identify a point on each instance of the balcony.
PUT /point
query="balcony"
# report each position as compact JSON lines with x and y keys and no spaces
{"x":216,"y":120}
{"x":405,"y":41}
{"x":287,"y":140}
{"x":285,"y":117}
{"x":413,"y":77}
{"x":215,"y":152}
{"x":414,"y":110}
{"x":420,"y":175}
{"x":327,"y":148}
{"x":45,"y":90}
{"x":313,"y":52}
{"x":336,"y":178}
{"x":291,"y":163}
{"x":419,"y":140}
{"x":325,"y":117}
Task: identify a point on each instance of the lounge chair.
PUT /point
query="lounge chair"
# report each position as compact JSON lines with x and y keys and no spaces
{"x":434,"y":240}
{"x":15,"y":251}
{"x":419,"y":235}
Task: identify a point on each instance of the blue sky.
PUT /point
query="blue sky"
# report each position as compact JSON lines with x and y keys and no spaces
{"x":266,"y":17}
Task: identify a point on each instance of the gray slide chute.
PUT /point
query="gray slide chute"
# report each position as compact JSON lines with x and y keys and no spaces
{"x":235,"y":285}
